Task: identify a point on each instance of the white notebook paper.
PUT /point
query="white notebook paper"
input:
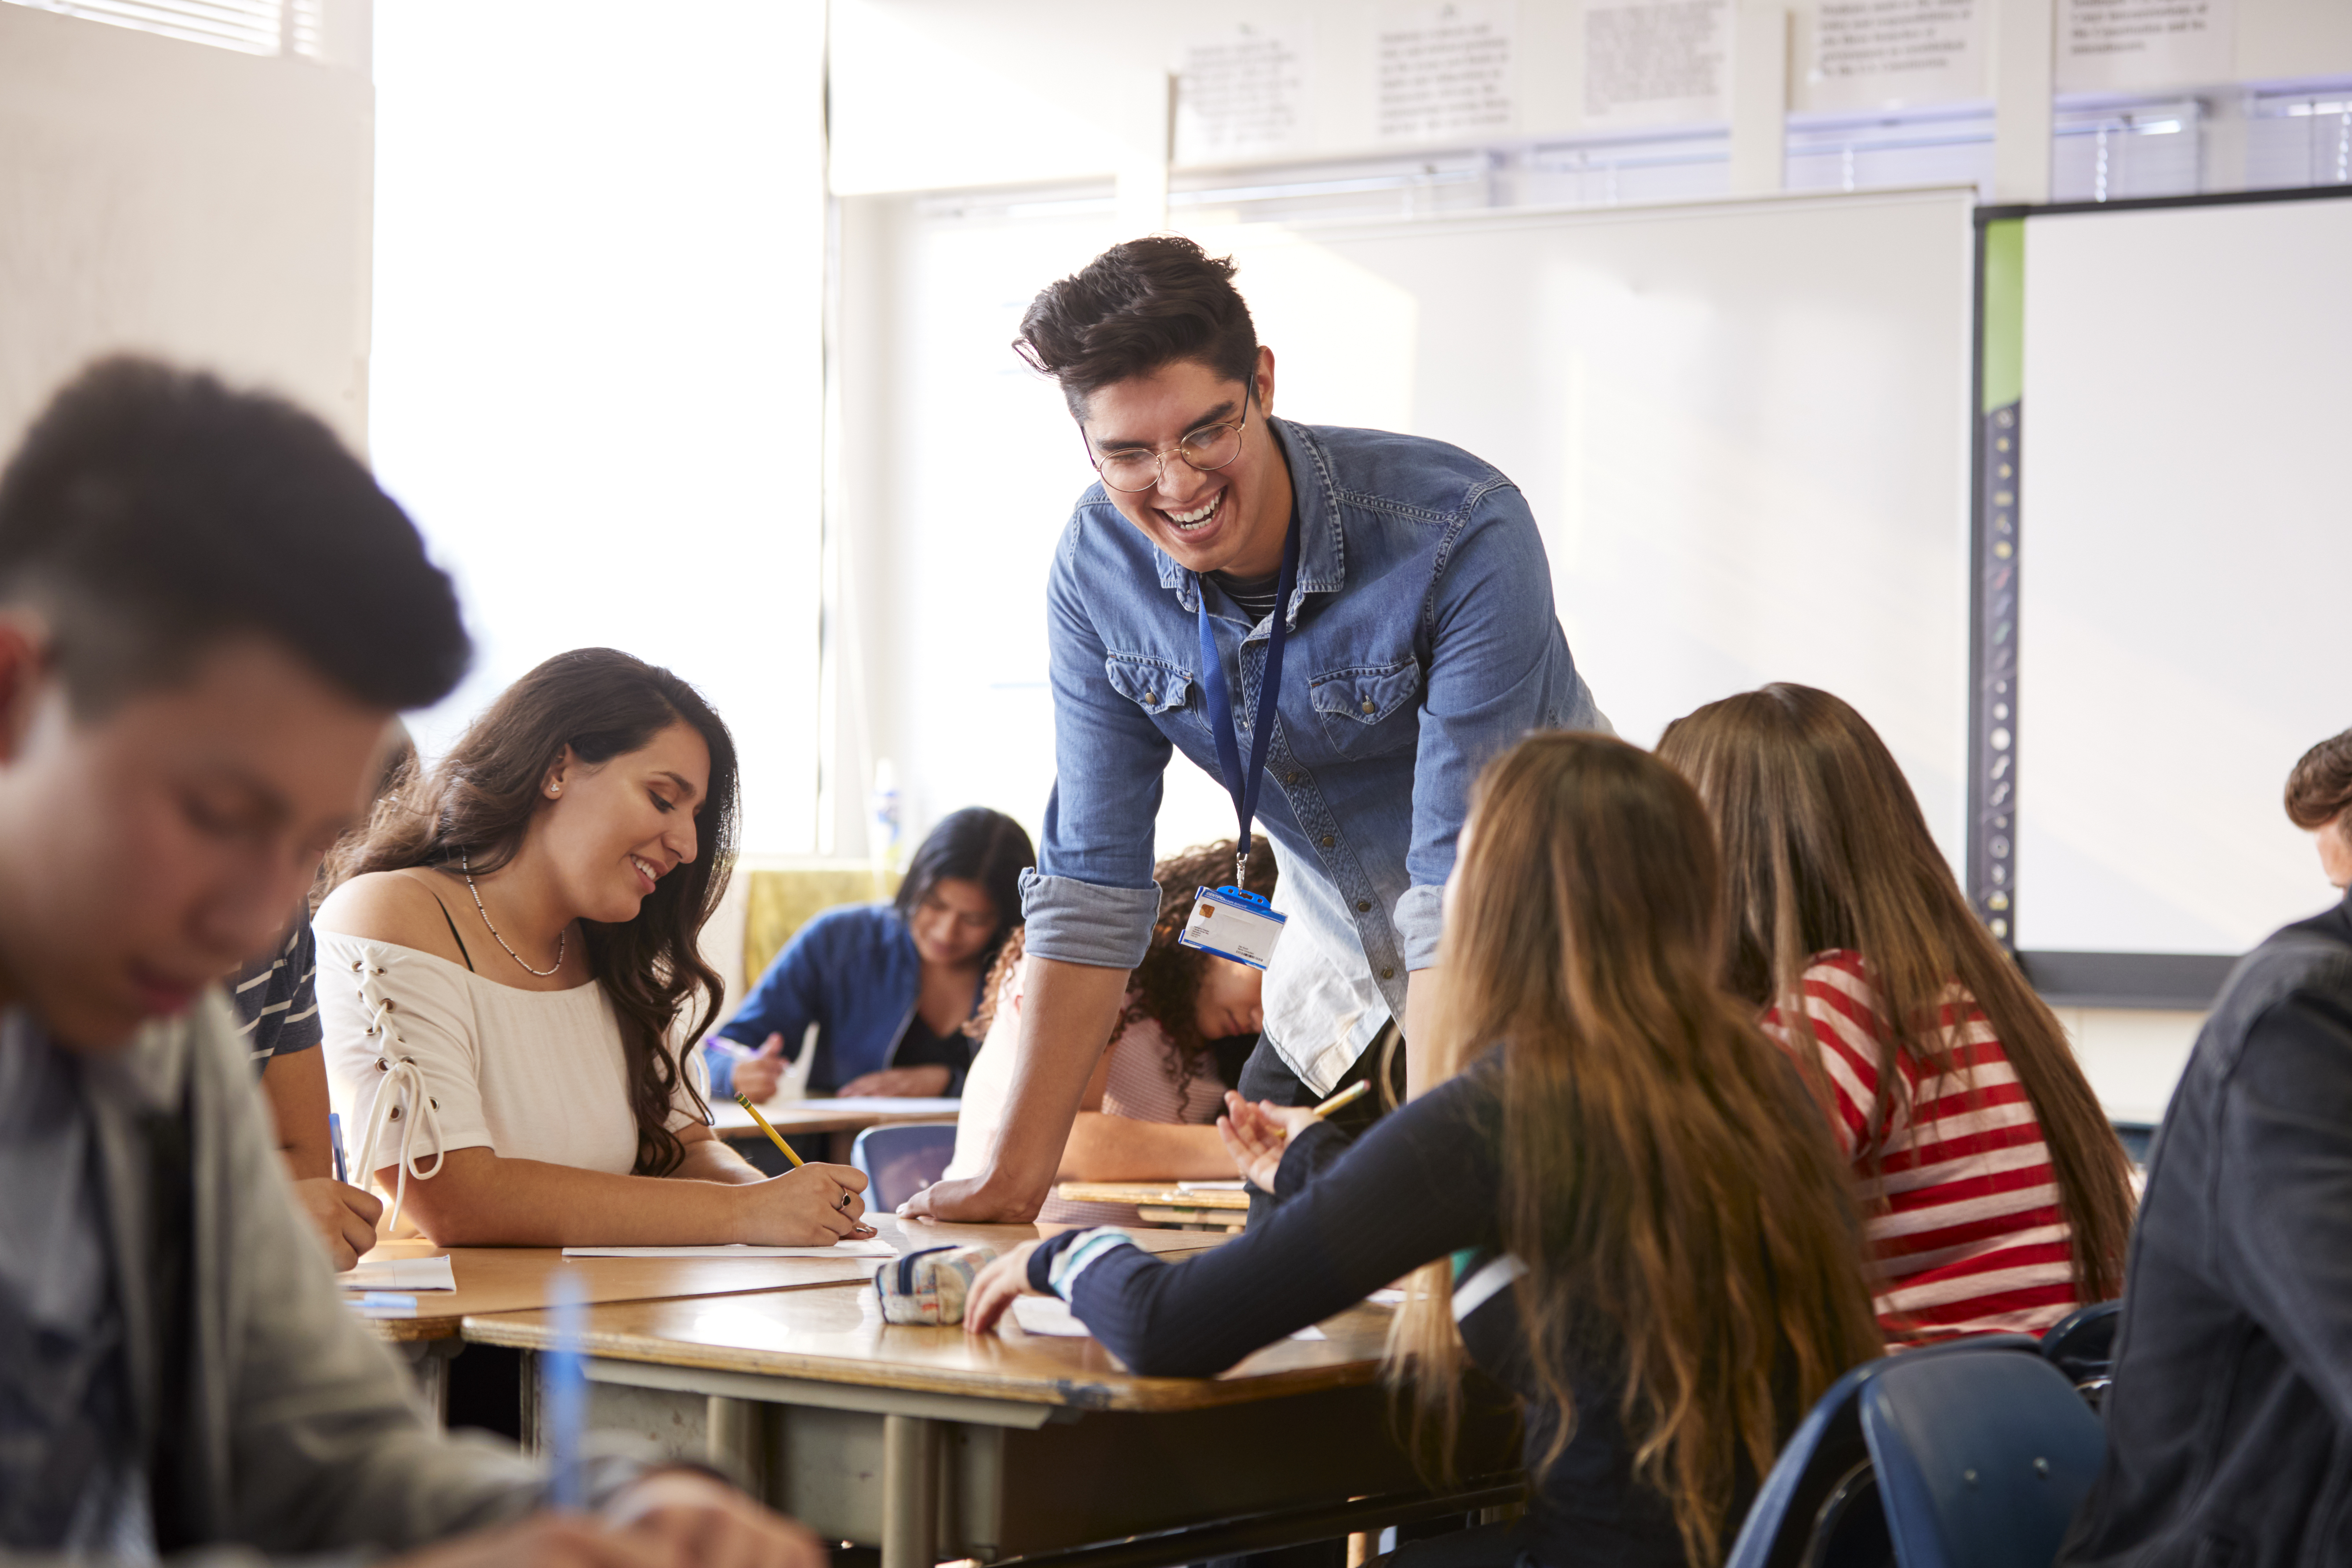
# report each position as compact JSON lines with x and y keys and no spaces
{"x":400,"y":1274}
{"x":875,"y":1247}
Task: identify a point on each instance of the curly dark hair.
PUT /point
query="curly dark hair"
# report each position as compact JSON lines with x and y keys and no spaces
{"x":1138,"y":306}
{"x":1169,"y":979}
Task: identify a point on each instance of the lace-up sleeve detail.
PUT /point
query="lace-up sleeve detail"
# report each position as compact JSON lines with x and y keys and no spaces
{"x":401,"y":1035}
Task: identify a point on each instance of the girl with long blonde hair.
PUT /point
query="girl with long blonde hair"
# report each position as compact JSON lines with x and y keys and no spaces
{"x":1997,"y":1196}
{"x":1649,"y":1237}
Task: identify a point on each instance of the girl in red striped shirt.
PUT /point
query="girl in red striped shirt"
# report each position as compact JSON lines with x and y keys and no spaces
{"x":1996,"y":1196}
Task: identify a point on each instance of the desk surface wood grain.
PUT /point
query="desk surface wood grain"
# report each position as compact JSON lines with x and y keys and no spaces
{"x":513,"y":1278}
{"x":837,"y":1334}
{"x":1164,"y":1195}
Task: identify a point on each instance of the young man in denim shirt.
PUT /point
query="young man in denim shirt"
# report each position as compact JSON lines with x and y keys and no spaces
{"x":1421,"y":640}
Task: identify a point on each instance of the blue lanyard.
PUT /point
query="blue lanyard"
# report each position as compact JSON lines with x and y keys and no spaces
{"x":1243,"y":786}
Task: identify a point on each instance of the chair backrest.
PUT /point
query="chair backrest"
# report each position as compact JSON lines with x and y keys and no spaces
{"x":900,"y":1159}
{"x":1814,"y":1510}
{"x":2083,"y":1345}
{"x":1981,"y":1458}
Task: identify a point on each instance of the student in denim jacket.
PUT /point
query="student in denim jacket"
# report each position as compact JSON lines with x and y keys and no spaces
{"x":1421,"y":641}
{"x":889,"y":986}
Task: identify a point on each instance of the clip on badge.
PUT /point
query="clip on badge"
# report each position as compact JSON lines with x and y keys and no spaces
{"x":1235,"y":924}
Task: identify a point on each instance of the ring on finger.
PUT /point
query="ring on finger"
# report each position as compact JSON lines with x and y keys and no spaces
{"x":846,"y":1196}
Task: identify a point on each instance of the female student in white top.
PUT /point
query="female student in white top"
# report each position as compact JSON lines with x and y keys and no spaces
{"x":505,"y":961}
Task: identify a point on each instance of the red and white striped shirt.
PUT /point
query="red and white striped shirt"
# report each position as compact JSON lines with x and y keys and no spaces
{"x":1962,"y":1215}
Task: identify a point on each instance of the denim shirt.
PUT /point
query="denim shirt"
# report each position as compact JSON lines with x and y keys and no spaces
{"x":1421,"y":642}
{"x":855,"y":974}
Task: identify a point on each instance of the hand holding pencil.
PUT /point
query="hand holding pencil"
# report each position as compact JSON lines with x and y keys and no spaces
{"x":840,"y":1184}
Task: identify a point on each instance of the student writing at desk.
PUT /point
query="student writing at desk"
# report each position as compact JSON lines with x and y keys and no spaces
{"x":504,"y":959}
{"x":1648,"y":1227}
{"x":1352,"y":619}
{"x":1151,"y":1111}
{"x":209,"y":615}
{"x":888,"y":985}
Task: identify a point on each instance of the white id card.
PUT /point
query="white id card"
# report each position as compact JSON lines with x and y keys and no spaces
{"x":1234,"y":924}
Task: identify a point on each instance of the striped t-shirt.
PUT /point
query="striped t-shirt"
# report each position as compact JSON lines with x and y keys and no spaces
{"x":277,"y":998}
{"x":1962,"y":1214}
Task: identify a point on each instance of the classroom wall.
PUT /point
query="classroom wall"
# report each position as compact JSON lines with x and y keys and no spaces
{"x":1060,"y":90}
{"x":183,"y":200}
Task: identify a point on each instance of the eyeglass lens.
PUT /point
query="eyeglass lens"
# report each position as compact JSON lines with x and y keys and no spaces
{"x":1204,"y":449}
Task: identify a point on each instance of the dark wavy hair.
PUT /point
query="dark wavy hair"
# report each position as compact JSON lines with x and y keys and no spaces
{"x":1168,"y":982}
{"x":975,"y":845}
{"x":1138,"y":306}
{"x":478,"y":801}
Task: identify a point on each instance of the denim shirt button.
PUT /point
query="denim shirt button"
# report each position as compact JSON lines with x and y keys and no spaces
{"x":1369,"y":707}
{"x":1326,"y":841}
{"x":1388,"y":974}
{"x":1363,"y":905}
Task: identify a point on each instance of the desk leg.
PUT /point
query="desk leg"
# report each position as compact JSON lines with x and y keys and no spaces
{"x":733,"y":1437}
{"x":910,"y":1492}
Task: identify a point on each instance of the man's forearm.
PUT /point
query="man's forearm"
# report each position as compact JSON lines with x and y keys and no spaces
{"x":1068,"y":1012}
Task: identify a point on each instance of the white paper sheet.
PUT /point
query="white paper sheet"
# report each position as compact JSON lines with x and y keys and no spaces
{"x":875,"y":1247}
{"x":895,"y":1107}
{"x":400,"y":1274}
{"x":1234,"y":1186}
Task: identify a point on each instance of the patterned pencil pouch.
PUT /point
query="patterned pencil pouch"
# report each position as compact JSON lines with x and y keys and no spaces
{"x":930,"y":1286}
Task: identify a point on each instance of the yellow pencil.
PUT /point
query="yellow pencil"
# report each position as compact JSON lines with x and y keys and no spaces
{"x":777,"y":1138}
{"x":1348,"y":1096}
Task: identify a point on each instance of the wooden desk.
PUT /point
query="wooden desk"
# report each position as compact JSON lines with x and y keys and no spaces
{"x":1165,"y":1203}
{"x":936,"y":1444}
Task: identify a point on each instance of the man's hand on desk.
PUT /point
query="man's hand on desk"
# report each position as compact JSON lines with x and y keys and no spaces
{"x":900,"y":1083}
{"x":971,"y":1201}
{"x":342,"y":1215}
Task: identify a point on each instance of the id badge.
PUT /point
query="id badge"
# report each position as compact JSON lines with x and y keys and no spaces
{"x":1234,"y":924}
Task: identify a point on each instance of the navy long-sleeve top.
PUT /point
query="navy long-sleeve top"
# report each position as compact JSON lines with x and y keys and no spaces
{"x":855,"y":974}
{"x":1421,"y":1185}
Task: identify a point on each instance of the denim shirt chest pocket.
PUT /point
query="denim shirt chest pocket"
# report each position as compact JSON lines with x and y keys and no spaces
{"x":1368,"y":710}
{"x":1158,"y":686}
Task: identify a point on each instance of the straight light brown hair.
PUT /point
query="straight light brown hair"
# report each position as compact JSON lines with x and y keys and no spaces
{"x":1679,"y":1208}
{"x":1825,"y":846}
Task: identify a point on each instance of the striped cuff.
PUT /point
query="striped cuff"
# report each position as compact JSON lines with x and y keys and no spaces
{"x":1075,"y":1260}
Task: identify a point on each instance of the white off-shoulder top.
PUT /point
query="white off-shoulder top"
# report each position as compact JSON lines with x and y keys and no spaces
{"x":532,"y":1075}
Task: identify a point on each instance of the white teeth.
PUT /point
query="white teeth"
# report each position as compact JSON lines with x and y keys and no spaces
{"x":1195,"y":518}
{"x":646,"y":867}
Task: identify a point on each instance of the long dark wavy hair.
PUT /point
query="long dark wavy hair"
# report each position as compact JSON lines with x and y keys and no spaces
{"x":1166,"y":982}
{"x":478,"y":801}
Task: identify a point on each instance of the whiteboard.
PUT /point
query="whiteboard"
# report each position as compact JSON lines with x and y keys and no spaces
{"x":1742,"y":426}
{"x":2185,"y":560}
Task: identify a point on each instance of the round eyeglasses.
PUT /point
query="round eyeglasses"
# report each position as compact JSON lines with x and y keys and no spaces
{"x":1209,"y":448}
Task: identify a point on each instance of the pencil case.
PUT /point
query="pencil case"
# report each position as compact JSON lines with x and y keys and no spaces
{"x":930,"y":1286}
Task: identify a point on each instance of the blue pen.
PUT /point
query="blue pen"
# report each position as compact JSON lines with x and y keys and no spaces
{"x":563,"y":1393}
{"x":335,"y":1142}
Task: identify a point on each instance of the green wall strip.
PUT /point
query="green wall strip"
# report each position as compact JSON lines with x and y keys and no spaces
{"x":2004,"y":313}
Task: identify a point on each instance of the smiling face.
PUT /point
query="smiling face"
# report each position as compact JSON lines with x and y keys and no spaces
{"x":146,"y":853}
{"x":612,"y":830}
{"x":953,"y":922}
{"x":1231,"y":1000}
{"x":1231,"y":519}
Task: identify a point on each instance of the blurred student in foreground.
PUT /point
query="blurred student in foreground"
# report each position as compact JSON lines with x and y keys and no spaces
{"x":889,"y":986}
{"x":209,"y":615}
{"x":1997,"y":1196}
{"x":511,"y":950}
{"x":1633,"y":1218}
{"x":1151,"y":1109}
{"x":2230,"y":1422}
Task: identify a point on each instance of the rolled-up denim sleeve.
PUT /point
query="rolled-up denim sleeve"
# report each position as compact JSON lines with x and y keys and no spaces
{"x":1498,"y":667}
{"x":1091,"y":898}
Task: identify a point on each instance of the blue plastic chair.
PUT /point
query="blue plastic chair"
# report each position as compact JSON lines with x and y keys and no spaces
{"x":1817,"y":1507}
{"x":2083,"y":1345}
{"x":900,"y":1159}
{"x":1981,"y":1460}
